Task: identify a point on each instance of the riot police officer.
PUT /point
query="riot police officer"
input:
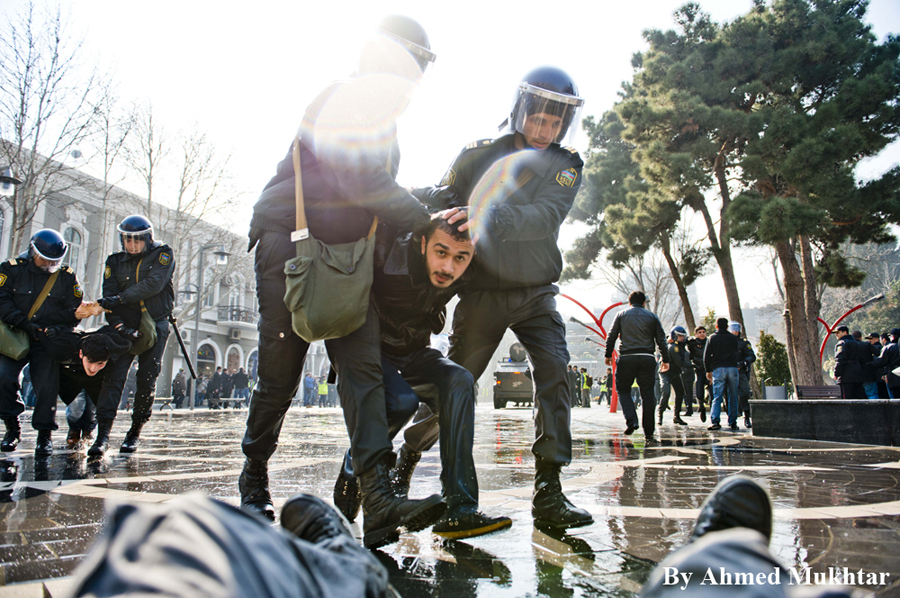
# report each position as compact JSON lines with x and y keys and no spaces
{"x":349,"y":159}
{"x":38,"y":296}
{"x":137,"y":278}
{"x":847,"y":370}
{"x":519,"y":188}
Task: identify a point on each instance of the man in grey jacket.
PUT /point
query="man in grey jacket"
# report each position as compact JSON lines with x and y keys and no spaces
{"x":637,"y":330}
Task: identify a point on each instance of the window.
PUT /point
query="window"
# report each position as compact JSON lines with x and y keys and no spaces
{"x":211,"y":290}
{"x":236,"y":295}
{"x":73,"y":257}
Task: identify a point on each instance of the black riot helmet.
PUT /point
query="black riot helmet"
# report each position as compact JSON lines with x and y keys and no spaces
{"x":678,"y":330}
{"x":49,"y":245}
{"x":136,"y":227}
{"x":411,"y":35}
{"x":548,"y":90}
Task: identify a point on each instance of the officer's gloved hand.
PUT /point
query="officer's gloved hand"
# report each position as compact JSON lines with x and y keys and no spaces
{"x":54,"y":331}
{"x":109,"y":302}
{"x":32,"y":329}
{"x":129,"y":333}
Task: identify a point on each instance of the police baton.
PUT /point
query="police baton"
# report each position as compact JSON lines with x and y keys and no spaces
{"x":184,"y":350}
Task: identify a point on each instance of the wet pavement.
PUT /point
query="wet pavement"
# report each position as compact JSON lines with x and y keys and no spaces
{"x":836,"y":505}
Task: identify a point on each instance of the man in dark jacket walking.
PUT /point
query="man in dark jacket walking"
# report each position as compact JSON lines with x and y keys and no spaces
{"x":720,"y":360}
{"x":888,"y":361}
{"x":673,"y":379}
{"x":136,"y":280}
{"x":349,"y":160}
{"x":639,"y":333}
{"x":697,"y":346}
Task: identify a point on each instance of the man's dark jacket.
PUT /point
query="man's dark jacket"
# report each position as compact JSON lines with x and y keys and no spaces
{"x":637,"y":330}
{"x":888,"y":361}
{"x":409,"y":307}
{"x":21,"y":281}
{"x":521,"y":197}
{"x":154,"y":284}
{"x":241,"y":380}
{"x":343,"y":187}
{"x":846,"y":356}
{"x":65,"y":346}
{"x":696,"y":347}
{"x":723,"y":350}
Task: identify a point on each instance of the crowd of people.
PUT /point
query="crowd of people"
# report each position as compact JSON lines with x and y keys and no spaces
{"x":494,"y":246}
{"x":867,"y":368}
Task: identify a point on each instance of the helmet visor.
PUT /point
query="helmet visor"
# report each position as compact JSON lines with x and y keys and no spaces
{"x":422,"y":55}
{"x":53,"y":263}
{"x":135,"y":242}
{"x":545,"y":116}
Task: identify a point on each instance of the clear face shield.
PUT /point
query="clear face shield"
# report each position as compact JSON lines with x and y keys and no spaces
{"x":47,"y":264}
{"x":134,"y":243}
{"x":544,"y":117}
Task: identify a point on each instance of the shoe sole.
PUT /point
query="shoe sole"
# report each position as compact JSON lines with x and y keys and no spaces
{"x":96,"y":452}
{"x":555,"y":525}
{"x":127,"y":451}
{"x":478,"y":531}
{"x":425,"y":516}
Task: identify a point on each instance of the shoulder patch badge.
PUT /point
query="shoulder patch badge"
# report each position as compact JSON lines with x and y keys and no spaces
{"x":449,"y":178}
{"x":107,"y":273}
{"x":2,"y":279}
{"x":165,"y":258}
{"x":567,"y":177}
{"x":78,"y":292}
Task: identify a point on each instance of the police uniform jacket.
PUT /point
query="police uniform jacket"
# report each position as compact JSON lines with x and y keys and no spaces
{"x":521,"y":197}
{"x":154,"y":284}
{"x":747,"y":356}
{"x":637,"y":330}
{"x":409,"y":307}
{"x":678,"y":358}
{"x":346,"y":182}
{"x":21,"y":281}
{"x":846,"y":357}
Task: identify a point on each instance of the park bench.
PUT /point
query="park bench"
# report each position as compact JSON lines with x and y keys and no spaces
{"x":229,"y":402}
{"x":818,"y":393}
{"x":164,"y":402}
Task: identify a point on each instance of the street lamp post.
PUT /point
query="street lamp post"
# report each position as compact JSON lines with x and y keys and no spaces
{"x":614,"y":396}
{"x":830,"y":329}
{"x":195,"y":339}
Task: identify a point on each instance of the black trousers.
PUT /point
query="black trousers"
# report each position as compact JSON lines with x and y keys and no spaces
{"x":701,"y":384}
{"x":356,"y":357}
{"x":479,"y":322}
{"x":671,"y":382}
{"x":643,"y":369}
{"x":44,"y":378}
{"x":149,"y":364}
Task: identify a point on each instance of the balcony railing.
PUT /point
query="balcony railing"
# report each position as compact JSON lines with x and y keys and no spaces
{"x":237,"y":314}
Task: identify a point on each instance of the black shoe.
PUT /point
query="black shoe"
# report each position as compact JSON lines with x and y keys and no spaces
{"x":13,"y":435}
{"x":254,"y":487}
{"x":630,"y":430}
{"x":714,"y":427}
{"x":688,"y":413}
{"x":101,"y":444}
{"x":703,"y":416}
{"x":680,"y":421}
{"x":549,"y":506}
{"x":346,"y":491}
{"x":132,"y":439}
{"x":747,"y":423}
{"x":385,"y":513}
{"x":402,"y":473}
{"x":44,"y":445}
{"x":310,"y":518}
{"x":469,"y":526}
{"x":734,"y":428}
{"x":737,"y":501}
{"x":659,"y":421}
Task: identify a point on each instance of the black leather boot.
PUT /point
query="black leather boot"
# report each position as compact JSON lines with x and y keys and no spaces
{"x":101,"y":445}
{"x":132,"y":439}
{"x":310,"y":518}
{"x":346,"y":490}
{"x":44,"y":445}
{"x":401,"y":475}
{"x":254,"y":487}
{"x":549,"y":506}
{"x":13,"y":435}
{"x":384,"y":513}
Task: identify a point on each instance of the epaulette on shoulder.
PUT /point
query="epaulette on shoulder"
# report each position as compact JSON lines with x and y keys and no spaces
{"x":570,"y":149}
{"x":68,"y":270}
{"x":13,"y":261}
{"x":480,"y":143}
